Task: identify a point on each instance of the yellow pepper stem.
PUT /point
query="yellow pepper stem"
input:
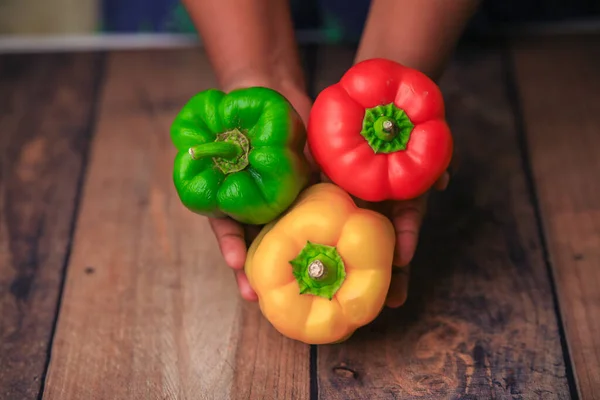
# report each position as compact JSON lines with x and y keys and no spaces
{"x":319,"y":270}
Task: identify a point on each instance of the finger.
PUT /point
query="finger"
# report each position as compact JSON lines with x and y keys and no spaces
{"x":315,"y":173}
{"x":230,"y":236}
{"x":454,"y":163}
{"x":442,"y":183}
{"x":310,"y":159}
{"x":398,"y":291}
{"x":246,"y":290}
{"x":301,"y":103}
{"x":407,"y":217}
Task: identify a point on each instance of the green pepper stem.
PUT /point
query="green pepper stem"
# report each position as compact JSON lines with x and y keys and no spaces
{"x":215,"y":149}
{"x":229,"y":151}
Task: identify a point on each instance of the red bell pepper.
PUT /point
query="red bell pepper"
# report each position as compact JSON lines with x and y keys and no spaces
{"x":380,"y":132}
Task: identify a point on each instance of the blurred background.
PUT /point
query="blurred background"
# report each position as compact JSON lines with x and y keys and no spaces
{"x":34,"y":24}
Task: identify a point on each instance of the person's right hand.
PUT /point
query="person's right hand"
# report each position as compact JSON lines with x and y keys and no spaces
{"x":233,"y":237}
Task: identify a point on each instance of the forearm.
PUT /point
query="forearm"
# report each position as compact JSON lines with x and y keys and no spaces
{"x":418,"y":33}
{"x":248,"y":41}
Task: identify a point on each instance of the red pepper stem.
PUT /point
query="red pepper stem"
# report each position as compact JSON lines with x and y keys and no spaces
{"x":226,"y":150}
{"x":385,"y":129}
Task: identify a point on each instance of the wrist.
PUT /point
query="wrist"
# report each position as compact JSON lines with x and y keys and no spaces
{"x":416,"y":33}
{"x":290,"y":87}
{"x":280,"y":82}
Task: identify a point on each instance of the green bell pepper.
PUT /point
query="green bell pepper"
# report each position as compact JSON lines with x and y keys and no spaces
{"x":239,"y":154}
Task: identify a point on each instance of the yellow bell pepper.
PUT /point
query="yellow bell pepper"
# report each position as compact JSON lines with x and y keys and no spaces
{"x":323,"y":269}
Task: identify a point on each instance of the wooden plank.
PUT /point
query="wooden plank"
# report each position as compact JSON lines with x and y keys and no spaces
{"x":46,"y":104}
{"x":149,"y":306}
{"x":479,"y":321}
{"x":560,"y":95}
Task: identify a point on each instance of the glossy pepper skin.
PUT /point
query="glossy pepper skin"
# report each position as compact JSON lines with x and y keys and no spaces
{"x":239,"y":154}
{"x":380,"y":132}
{"x":322,"y":269}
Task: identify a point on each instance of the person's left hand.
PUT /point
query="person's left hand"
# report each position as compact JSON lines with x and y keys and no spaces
{"x":232,"y":237}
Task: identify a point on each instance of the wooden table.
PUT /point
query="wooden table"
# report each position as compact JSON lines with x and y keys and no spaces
{"x":110,"y":289}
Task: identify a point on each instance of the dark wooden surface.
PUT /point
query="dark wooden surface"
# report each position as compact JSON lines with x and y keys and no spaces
{"x":482,"y":320}
{"x":479,"y":322}
{"x":46,"y":112}
{"x":560,"y":97}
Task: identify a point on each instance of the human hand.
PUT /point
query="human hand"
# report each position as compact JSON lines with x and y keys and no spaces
{"x":233,"y":238}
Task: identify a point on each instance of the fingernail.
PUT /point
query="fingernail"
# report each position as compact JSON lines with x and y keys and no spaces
{"x":244,"y":287}
{"x":442,"y":184}
{"x":398,"y":291}
{"x":249,"y":295}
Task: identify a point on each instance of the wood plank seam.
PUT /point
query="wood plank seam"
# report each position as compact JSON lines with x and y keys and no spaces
{"x":558,"y":89}
{"x":45,"y":106}
{"x":143,"y":320}
{"x":310,"y":68}
{"x":524,"y":150}
{"x":89,"y":132}
{"x":314,"y":372}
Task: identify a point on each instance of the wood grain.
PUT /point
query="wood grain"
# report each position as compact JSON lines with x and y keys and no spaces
{"x":268,"y":365}
{"x":46,"y":104}
{"x":559,"y":88}
{"x":150,"y":310}
{"x":479,"y":322}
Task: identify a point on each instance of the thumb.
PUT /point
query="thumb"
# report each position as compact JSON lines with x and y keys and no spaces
{"x":398,"y":291}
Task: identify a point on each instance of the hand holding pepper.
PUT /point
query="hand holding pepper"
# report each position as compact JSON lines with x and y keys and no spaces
{"x":406,"y":216}
{"x":232,"y":236}
{"x":252,"y":44}
{"x":380,"y":133}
